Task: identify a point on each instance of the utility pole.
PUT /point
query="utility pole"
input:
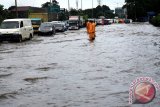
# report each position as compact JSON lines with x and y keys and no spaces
{"x":135,"y":11}
{"x":68,"y":5}
{"x":92,"y":8}
{"x":81,"y":4}
{"x":16,"y":9}
{"x":77,"y":4}
{"x":68,"y":8}
{"x":99,"y":2}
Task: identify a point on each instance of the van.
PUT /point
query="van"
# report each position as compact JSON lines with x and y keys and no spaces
{"x":16,"y":30}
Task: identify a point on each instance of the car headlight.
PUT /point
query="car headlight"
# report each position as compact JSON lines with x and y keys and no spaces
{"x":50,"y":29}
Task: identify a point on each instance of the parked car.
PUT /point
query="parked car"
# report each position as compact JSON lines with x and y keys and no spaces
{"x":59,"y":26}
{"x":16,"y":30}
{"x":66,"y":23}
{"x":47,"y":28}
{"x":128,"y":21}
{"x":65,"y":26}
{"x":56,"y":21}
{"x":121,"y":21}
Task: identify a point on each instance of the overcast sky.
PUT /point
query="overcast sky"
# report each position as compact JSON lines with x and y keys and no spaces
{"x":63,"y":3}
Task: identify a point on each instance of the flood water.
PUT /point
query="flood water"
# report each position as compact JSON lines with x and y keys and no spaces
{"x":67,"y":70}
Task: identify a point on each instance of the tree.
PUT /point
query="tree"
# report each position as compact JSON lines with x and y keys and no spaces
{"x":4,"y":13}
{"x":63,"y":15}
{"x":139,"y":8}
{"x":46,"y":5}
{"x":74,"y":12}
{"x":99,"y":11}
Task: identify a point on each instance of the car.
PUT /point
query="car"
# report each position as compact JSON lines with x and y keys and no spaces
{"x":66,"y":23}
{"x":128,"y":21}
{"x":65,"y":26}
{"x":16,"y":30}
{"x":59,"y":26}
{"x":47,"y":28}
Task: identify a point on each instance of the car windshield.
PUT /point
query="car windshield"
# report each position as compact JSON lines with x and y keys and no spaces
{"x":58,"y":25}
{"x":46,"y":25}
{"x":72,"y":23}
{"x":36,"y":22}
{"x":10,"y":25}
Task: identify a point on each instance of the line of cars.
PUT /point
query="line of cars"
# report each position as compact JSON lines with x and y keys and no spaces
{"x":52,"y":27}
{"x":22,"y":29}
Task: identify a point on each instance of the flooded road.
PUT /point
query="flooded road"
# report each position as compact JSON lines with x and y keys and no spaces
{"x":67,"y":70}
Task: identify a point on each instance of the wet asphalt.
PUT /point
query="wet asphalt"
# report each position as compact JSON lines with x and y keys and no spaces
{"x":67,"y":70}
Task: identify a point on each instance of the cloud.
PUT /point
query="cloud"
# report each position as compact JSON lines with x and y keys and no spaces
{"x":63,"y":3}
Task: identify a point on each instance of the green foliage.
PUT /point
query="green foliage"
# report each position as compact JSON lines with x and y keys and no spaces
{"x":73,"y":12}
{"x":46,"y":5}
{"x":156,"y":20}
{"x":88,"y":13}
{"x":139,"y":8}
{"x":95,"y":12}
{"x":4,"y":13}
{"x":63,"y":15}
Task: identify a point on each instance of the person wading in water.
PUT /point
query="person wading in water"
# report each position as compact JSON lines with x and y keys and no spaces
{"x":91,"y":30}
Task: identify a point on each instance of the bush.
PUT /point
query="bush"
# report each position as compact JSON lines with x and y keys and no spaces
{"x":156,"y":20}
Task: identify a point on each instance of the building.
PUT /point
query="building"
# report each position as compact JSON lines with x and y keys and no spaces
{"x":53,"y":11}
{"x":24,"y":11}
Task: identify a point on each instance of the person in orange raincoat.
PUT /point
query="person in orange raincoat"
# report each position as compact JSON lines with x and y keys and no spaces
{"x":91,"y":30}
{"x":87,"y":26}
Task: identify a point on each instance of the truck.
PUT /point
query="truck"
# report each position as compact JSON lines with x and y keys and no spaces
{"x":75,"y":22}
{"x":36,"y":22}
{"x":37,"y":19}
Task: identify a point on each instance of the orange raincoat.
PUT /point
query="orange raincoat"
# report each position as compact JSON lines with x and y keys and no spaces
{"x":91,"y":30}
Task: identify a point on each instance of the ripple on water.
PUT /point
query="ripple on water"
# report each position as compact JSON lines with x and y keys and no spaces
{"x":35,"y":79}
{"x":5,"y":75}
{"x":157,"y":64}
{"x":8,"y":95}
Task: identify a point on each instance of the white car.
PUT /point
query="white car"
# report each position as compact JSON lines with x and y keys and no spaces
{"x":59,"y":26}
{"x":16,"y":30}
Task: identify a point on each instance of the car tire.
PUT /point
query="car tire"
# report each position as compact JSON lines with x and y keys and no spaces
{"x":19,"y":39}
{"x":54,"y":32}
{"x":30,"y":37}
{"x":39,"y":34}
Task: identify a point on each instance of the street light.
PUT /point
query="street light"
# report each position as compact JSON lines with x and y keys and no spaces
{"x":16,"y":8}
